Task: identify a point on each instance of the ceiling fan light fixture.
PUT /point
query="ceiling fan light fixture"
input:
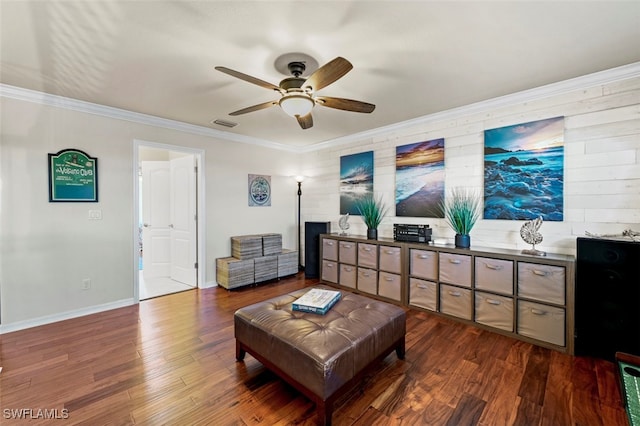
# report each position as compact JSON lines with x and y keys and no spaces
{"x":296,"y":105}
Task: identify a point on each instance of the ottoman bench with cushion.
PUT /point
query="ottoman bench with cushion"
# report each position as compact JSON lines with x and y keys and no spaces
{"x":323,"y":356}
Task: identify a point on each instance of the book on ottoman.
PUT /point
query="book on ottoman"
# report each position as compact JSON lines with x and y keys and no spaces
{"x":317,"y":301}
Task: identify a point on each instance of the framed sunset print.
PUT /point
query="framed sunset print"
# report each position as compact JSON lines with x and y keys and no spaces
{"x":420,"y":179}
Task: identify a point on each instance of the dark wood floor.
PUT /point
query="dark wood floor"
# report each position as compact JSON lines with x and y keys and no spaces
{"x":171,"y":360}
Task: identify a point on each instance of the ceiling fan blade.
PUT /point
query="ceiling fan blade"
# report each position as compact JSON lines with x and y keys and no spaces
{"x":254,"y":108}
{"x":305,"y":122}
{"x":248,"y":78}
{"x":345,"y":104}
{"x":327,"y":74}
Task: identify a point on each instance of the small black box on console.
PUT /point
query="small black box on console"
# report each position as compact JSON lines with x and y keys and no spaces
{"x":411,"y":233}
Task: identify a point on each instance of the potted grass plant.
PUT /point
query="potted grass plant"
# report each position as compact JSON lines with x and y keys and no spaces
{"x":461,"y":211}
{"x":372,"y":211}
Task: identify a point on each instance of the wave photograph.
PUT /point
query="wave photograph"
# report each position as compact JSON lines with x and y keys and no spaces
{"x":524,"y":171}
{"x":356,"y":180}
{"x":420,"y":179}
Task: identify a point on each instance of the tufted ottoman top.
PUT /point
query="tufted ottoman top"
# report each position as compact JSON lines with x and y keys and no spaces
{"x":322,"y":352}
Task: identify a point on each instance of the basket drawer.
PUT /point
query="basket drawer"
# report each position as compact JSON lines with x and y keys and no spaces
{"x":347,"y":275}
{"x":541,"y":322}
{"x":367,"y":255}
{"x":455,"y":301}
{"x":390,"y":259}
{"x":494,"y":275}
{"x":329,"y":271}
{"x":329,"y":249}
{"x":423,"y":294}
{"x":455,"y":269}
{"x":424,"y":264}
{"x":347,"y":251}
{"x":494,"y":311}
{"x":541,"y":282}
{"x":389,"y":285}
{"x":367,"y":280}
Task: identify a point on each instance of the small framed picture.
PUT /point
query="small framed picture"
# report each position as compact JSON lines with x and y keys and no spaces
{"x":259,"y":190}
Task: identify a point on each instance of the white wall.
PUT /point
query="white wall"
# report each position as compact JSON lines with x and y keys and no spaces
{"x":602,"y":165}
{"x":47,"y":249}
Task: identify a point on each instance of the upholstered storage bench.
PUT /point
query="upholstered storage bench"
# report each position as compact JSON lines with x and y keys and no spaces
{"x":323,"y":356}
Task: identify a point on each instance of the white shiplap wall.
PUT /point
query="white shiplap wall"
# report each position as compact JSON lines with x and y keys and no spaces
{"x":602,"y":165}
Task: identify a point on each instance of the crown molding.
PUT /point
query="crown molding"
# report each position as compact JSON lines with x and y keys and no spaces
{"x":41,"y":98}
{"x":554,"y":89}
{"x":590,"y":80}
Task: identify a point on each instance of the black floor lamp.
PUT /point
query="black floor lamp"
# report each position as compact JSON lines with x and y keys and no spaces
{"x":299,"y":179}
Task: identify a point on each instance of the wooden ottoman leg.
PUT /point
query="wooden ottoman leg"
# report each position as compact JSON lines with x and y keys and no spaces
{"x":324,"y":410}
{"x":400,"y":349}
{"x":240,"y":352}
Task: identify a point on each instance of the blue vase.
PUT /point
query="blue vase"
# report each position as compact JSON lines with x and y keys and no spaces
{"x":463,"y":241}
{"x":372,"y":234}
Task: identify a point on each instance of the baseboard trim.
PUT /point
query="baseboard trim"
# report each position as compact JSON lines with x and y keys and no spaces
{"x":49,"y":319}
{"x":210,"y":284}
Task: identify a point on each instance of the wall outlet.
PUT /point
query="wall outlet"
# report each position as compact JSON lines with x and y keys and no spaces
{"x":95,"y":214}
{"x":86,"y":284}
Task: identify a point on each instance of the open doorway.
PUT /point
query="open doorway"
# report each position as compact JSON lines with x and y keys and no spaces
{"x":168,"y":203}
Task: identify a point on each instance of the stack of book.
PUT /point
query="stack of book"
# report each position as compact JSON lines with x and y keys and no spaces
{"x":317,"y":301}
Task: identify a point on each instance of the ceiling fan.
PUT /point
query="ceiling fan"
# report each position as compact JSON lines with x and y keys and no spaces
{"x":298,"y":93}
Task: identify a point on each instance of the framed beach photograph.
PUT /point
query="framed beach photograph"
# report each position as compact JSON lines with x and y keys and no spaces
{"x":524,"y":171}
{"x":356,"y":180}
{"x":420,"y":179}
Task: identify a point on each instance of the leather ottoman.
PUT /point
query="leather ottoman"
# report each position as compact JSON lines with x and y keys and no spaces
{"x":323,"y":356}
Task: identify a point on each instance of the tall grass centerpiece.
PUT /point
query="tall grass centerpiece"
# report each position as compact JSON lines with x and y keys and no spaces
{"x":372,"y":211}
{"x":462,"y":211}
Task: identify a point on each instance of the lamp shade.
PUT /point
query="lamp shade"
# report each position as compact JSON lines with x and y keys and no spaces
{"x":296,"y":105}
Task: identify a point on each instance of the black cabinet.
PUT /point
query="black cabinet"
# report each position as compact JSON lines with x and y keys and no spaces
{"x":312,"y":231}
{"x":607,"y":297}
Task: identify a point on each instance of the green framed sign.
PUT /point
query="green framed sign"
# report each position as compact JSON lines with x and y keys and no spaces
{"x":73,"y":176}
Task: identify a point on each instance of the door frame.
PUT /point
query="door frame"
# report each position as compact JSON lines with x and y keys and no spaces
{"x":200,"y":209}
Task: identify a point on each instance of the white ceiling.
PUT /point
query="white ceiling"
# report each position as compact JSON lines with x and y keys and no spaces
{"x":410,"y":58}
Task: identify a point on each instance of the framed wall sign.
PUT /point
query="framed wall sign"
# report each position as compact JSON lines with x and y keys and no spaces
{"x":73,"y":177}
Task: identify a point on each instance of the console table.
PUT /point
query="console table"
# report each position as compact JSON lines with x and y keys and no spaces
{"x":530,"y":298}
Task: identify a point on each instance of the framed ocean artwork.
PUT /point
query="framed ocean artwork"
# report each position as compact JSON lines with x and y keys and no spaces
{"x":356,"y":180}
{"x":524,"y":171}
{"x":420,"y":179}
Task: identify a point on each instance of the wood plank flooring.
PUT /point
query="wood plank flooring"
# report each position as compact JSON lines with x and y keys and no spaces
{"x":171,"y":360}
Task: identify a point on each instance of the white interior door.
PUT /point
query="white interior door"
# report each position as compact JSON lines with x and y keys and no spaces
{"x":183,"y":220}
{"x":156,"y":219}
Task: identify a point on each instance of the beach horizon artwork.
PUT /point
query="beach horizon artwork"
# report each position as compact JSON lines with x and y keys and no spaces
{"x":524,"y":171}
{"x":356,"y":181}
{"x":420,"y":179}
